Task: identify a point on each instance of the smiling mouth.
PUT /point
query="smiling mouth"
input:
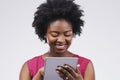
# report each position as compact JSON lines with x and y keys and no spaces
{"x":61,"y":47}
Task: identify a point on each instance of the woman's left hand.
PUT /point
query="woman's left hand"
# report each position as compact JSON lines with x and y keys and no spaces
{"x":67,"y":72}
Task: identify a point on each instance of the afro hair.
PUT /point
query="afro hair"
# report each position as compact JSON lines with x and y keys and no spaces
{"x":57,"y":9}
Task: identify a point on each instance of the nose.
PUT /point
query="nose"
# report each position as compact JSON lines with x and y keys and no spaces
{"x":61,"y":39}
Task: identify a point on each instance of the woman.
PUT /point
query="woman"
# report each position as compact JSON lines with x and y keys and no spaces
{"x":56,"y":22}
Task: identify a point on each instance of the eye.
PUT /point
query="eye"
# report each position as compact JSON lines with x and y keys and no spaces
{"x":67,"y":34}
{"x":54,"y":34}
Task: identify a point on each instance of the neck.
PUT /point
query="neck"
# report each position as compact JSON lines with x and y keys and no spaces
{"x":49,"y":54}
{"x":53,"y":54}
{"x":65,"y":54}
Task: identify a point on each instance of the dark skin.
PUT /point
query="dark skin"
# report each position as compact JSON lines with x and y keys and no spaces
{"x":59,"y":37}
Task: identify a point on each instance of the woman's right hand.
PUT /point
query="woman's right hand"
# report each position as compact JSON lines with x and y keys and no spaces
{"x":39,"y":74}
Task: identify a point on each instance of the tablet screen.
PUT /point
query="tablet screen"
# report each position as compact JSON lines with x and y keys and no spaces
{"x":51,"y":64}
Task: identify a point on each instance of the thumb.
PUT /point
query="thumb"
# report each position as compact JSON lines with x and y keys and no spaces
{"x":77,"y":70}
{"x":41,"y":71}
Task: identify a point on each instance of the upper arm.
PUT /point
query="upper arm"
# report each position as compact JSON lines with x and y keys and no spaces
{"x":89,"y":73}
{"x":24,"y":73}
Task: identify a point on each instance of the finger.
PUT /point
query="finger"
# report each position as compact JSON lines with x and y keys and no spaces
{"x":71,"y":70}
{"x":78,"y":65}
{"x":77,"y":70}
{"x":60,"y":73}
{"x":41,"y":71}
{"x":64,"y":73}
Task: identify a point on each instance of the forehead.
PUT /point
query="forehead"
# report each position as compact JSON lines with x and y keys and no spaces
{"x":60,"y":25}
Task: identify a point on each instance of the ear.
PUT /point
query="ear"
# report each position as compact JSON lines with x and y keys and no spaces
{"x":45,"y":37}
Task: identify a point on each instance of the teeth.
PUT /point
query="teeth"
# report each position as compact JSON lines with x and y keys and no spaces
{"x":60,"y":46}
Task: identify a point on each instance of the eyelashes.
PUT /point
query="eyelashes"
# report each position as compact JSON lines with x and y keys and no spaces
{"x":57,"y":34}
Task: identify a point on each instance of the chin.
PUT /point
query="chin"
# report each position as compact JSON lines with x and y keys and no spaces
{"x":61,"y":52}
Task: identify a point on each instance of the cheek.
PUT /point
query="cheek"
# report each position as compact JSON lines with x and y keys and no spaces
{"x":69,"y":40}
{"x":50,"y":40}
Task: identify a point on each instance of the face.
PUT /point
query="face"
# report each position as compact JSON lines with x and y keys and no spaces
{"x":59,"y":36}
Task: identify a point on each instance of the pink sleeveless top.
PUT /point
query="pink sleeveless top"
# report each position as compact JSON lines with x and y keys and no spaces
{"x":37,"y":62}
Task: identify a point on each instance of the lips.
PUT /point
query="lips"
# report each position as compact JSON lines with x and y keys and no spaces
{"x":61,"y":47}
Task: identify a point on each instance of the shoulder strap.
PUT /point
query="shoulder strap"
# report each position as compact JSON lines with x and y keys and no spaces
{"x":83,"y":64}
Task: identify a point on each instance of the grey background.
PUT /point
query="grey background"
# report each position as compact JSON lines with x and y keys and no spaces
{"x":100,"y":40}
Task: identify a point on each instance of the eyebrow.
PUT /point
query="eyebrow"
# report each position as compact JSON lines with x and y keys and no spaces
{"x":57,"y":31}
{"x":53,"y":31}
{"x":68,"y":31}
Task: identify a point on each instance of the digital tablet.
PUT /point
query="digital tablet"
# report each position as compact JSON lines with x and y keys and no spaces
{"x":51,"y":64}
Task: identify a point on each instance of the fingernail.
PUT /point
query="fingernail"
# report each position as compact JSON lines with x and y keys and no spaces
{"x":57,"y":71}
{"x":58,"y":67}
{"x":78,"y":65}
{"x":65,"y":65}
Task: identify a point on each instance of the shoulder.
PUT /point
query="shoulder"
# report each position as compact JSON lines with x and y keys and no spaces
{"x":24,"y":73}
{"x":31,"y":63}
{"x":34,"y":64}
{"x":34,"y":58}
{"x":29,"y":68}
{"x":84,"y":63}
{"x":89,"y":72}
{"x":82,"y":59}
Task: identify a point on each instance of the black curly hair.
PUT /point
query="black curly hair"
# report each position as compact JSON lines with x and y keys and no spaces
{"x":57,"y":9}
